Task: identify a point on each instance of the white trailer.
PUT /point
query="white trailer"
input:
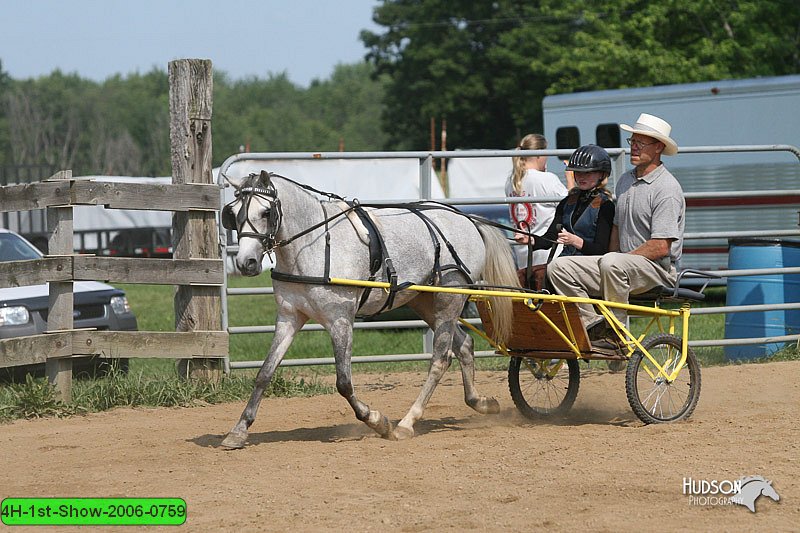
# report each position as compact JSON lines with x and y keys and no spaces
{"x":759,"y":111}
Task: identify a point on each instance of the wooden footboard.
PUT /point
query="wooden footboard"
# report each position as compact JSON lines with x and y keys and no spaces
{"x":533,"y":332}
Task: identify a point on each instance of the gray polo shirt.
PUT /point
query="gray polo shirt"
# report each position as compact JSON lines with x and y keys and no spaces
{"x":650,"y":207}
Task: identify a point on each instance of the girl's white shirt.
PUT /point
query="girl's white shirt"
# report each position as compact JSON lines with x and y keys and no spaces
{"x":536,"y":217}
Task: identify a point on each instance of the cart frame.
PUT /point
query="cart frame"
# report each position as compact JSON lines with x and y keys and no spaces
{"x":548,"y":332}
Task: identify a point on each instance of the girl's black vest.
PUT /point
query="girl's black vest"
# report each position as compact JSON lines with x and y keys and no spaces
{"x":586,"y":225}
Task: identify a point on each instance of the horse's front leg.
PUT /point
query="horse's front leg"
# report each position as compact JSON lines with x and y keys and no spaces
{"x":341,"y":331}
{"x":286,"y":326}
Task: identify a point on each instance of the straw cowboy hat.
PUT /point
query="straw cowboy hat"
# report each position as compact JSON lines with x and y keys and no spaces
{"x":656,"y":128}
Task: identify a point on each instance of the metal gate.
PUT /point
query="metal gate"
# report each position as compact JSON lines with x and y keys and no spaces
{"x":426,"y":175}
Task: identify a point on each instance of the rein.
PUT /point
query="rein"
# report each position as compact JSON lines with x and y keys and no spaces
{"x":271,"y":194}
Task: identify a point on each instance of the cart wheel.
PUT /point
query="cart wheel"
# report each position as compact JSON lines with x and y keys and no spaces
{"x":654,"y":399}
{"x":542,"y":387}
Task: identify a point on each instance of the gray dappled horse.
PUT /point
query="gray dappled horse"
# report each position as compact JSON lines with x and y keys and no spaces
{"x":314,"y":240}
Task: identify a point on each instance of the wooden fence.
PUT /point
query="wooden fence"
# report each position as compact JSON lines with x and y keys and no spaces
{"x":196,"y":268}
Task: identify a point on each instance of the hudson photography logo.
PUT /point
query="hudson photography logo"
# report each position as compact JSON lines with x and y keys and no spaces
{"x":743,"y":491}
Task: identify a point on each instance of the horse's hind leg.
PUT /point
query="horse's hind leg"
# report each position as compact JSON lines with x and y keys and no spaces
{"x":440,"y":312}
{"x":440,"y":362}
{"x":341,"y":331}
{"x":285,"y":329}
{"x":464,"y":349}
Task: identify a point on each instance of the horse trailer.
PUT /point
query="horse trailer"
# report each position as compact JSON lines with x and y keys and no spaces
{"x":733,"y":189}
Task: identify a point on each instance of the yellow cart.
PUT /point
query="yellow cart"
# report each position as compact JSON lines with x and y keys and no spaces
{"x":662,"y":378}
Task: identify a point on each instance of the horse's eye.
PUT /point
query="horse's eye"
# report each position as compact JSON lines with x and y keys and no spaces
{"x":265,"y":214}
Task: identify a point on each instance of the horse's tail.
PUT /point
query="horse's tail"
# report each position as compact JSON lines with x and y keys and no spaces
{"x":500,"y":270}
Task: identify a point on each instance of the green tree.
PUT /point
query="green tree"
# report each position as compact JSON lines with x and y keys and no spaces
{"x":48,"y":119}
{"x":350,"y":105}
{"x":439,"y":57}
{"x":487,"y":65}
{"x":121,"y":126}
{"x":275,"y":115}
{"x":131,"y":125}
{"x":266,"y":115}
{"x":5,"y":143}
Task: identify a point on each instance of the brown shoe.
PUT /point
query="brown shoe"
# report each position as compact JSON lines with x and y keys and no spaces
{"x":598,"y":331}
{"x":607,"y":344}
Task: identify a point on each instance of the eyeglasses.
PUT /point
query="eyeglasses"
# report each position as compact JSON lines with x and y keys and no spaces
{"x":639,"y":144}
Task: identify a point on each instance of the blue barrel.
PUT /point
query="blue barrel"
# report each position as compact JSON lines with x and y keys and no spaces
{"x":764,"y":289}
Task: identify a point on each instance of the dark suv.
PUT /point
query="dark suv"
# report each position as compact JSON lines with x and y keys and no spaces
{"x":142,"y":242}
{"x":23,"y":310}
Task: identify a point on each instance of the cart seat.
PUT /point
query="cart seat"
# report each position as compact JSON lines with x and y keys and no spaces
{"x":669,"y":294}
{"x":678,"y":293}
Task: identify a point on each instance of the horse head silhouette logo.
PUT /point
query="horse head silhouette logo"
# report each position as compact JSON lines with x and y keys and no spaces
{"x":752,"y":488}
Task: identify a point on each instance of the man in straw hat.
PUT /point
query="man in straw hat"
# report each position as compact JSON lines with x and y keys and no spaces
{"x":646,"y":239}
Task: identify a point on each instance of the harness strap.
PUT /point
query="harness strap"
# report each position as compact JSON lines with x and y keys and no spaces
{"x":312,"y":228}
{"x":296,"y":278}
{"x":437,"y":247}
{"x":327,"y":271}
{"x":391,"y":273}
{"x":378,"y":254}
{"x":459,"y":264}
{"x":375,"y":250}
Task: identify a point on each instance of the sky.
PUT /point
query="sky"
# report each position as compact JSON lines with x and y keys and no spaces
{"x":97,"y":39}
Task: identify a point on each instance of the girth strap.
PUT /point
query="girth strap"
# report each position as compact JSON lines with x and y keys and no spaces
{"x":375,"y":249}
{"x":378,"y":254}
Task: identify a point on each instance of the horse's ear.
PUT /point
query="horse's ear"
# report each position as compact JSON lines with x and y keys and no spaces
{"x":234,"y":182}
{"x":264,"y":178}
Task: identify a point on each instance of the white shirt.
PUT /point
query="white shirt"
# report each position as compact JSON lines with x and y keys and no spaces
{"x":535,"y":217}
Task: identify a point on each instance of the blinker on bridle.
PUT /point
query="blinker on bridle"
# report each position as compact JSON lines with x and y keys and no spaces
{"x":245,"y":195}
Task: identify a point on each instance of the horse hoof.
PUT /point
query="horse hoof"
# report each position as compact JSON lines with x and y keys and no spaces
{"x":380,"y":424}
{"x":403,"y":433}
{"x":486,"y":406}
{"x":234,"y":441}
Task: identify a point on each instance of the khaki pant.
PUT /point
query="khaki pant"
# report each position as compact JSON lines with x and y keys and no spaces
{"x":612,"y":277}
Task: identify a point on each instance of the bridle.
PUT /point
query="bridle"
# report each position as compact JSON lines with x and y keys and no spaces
{"x":269,"y":193}
{"x":241,"y":222}
{"x":269,"y":240}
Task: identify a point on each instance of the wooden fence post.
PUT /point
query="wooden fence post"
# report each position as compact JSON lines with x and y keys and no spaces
{"x":59,"y":317}
{"x":194,"y":233}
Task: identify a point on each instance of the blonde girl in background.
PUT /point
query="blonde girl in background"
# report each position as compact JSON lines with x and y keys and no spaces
{"x":529,"y":178}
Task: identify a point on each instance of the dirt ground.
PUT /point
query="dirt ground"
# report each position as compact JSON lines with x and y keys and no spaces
{"x":311,"y":466}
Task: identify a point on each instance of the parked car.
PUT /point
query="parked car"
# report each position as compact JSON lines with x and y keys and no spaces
{"x":23,"y":310}
{"x":495,"y":212}
{"x":142,"y":242}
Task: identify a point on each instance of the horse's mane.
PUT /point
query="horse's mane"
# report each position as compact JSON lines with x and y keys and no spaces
{"x":750,"y":479}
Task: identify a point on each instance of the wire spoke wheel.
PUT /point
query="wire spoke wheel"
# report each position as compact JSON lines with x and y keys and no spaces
{"x":654,"y":397}
{"x":542,"y":387}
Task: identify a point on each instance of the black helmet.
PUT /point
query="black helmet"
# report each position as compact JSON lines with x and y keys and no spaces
{"x":589,"y":158}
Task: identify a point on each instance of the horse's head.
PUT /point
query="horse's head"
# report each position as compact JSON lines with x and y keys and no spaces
{"x":768,"y":490}
{"x":255,"y":214}
{"x":752,"y":487}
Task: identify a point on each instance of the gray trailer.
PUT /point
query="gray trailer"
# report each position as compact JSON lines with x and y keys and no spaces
{"x":759,"y":111}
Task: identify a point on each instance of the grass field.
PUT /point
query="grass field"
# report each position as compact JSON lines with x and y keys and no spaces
{"x":154,"y":382}
{"x":153,"y":305}
{"x":154,"y":308}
